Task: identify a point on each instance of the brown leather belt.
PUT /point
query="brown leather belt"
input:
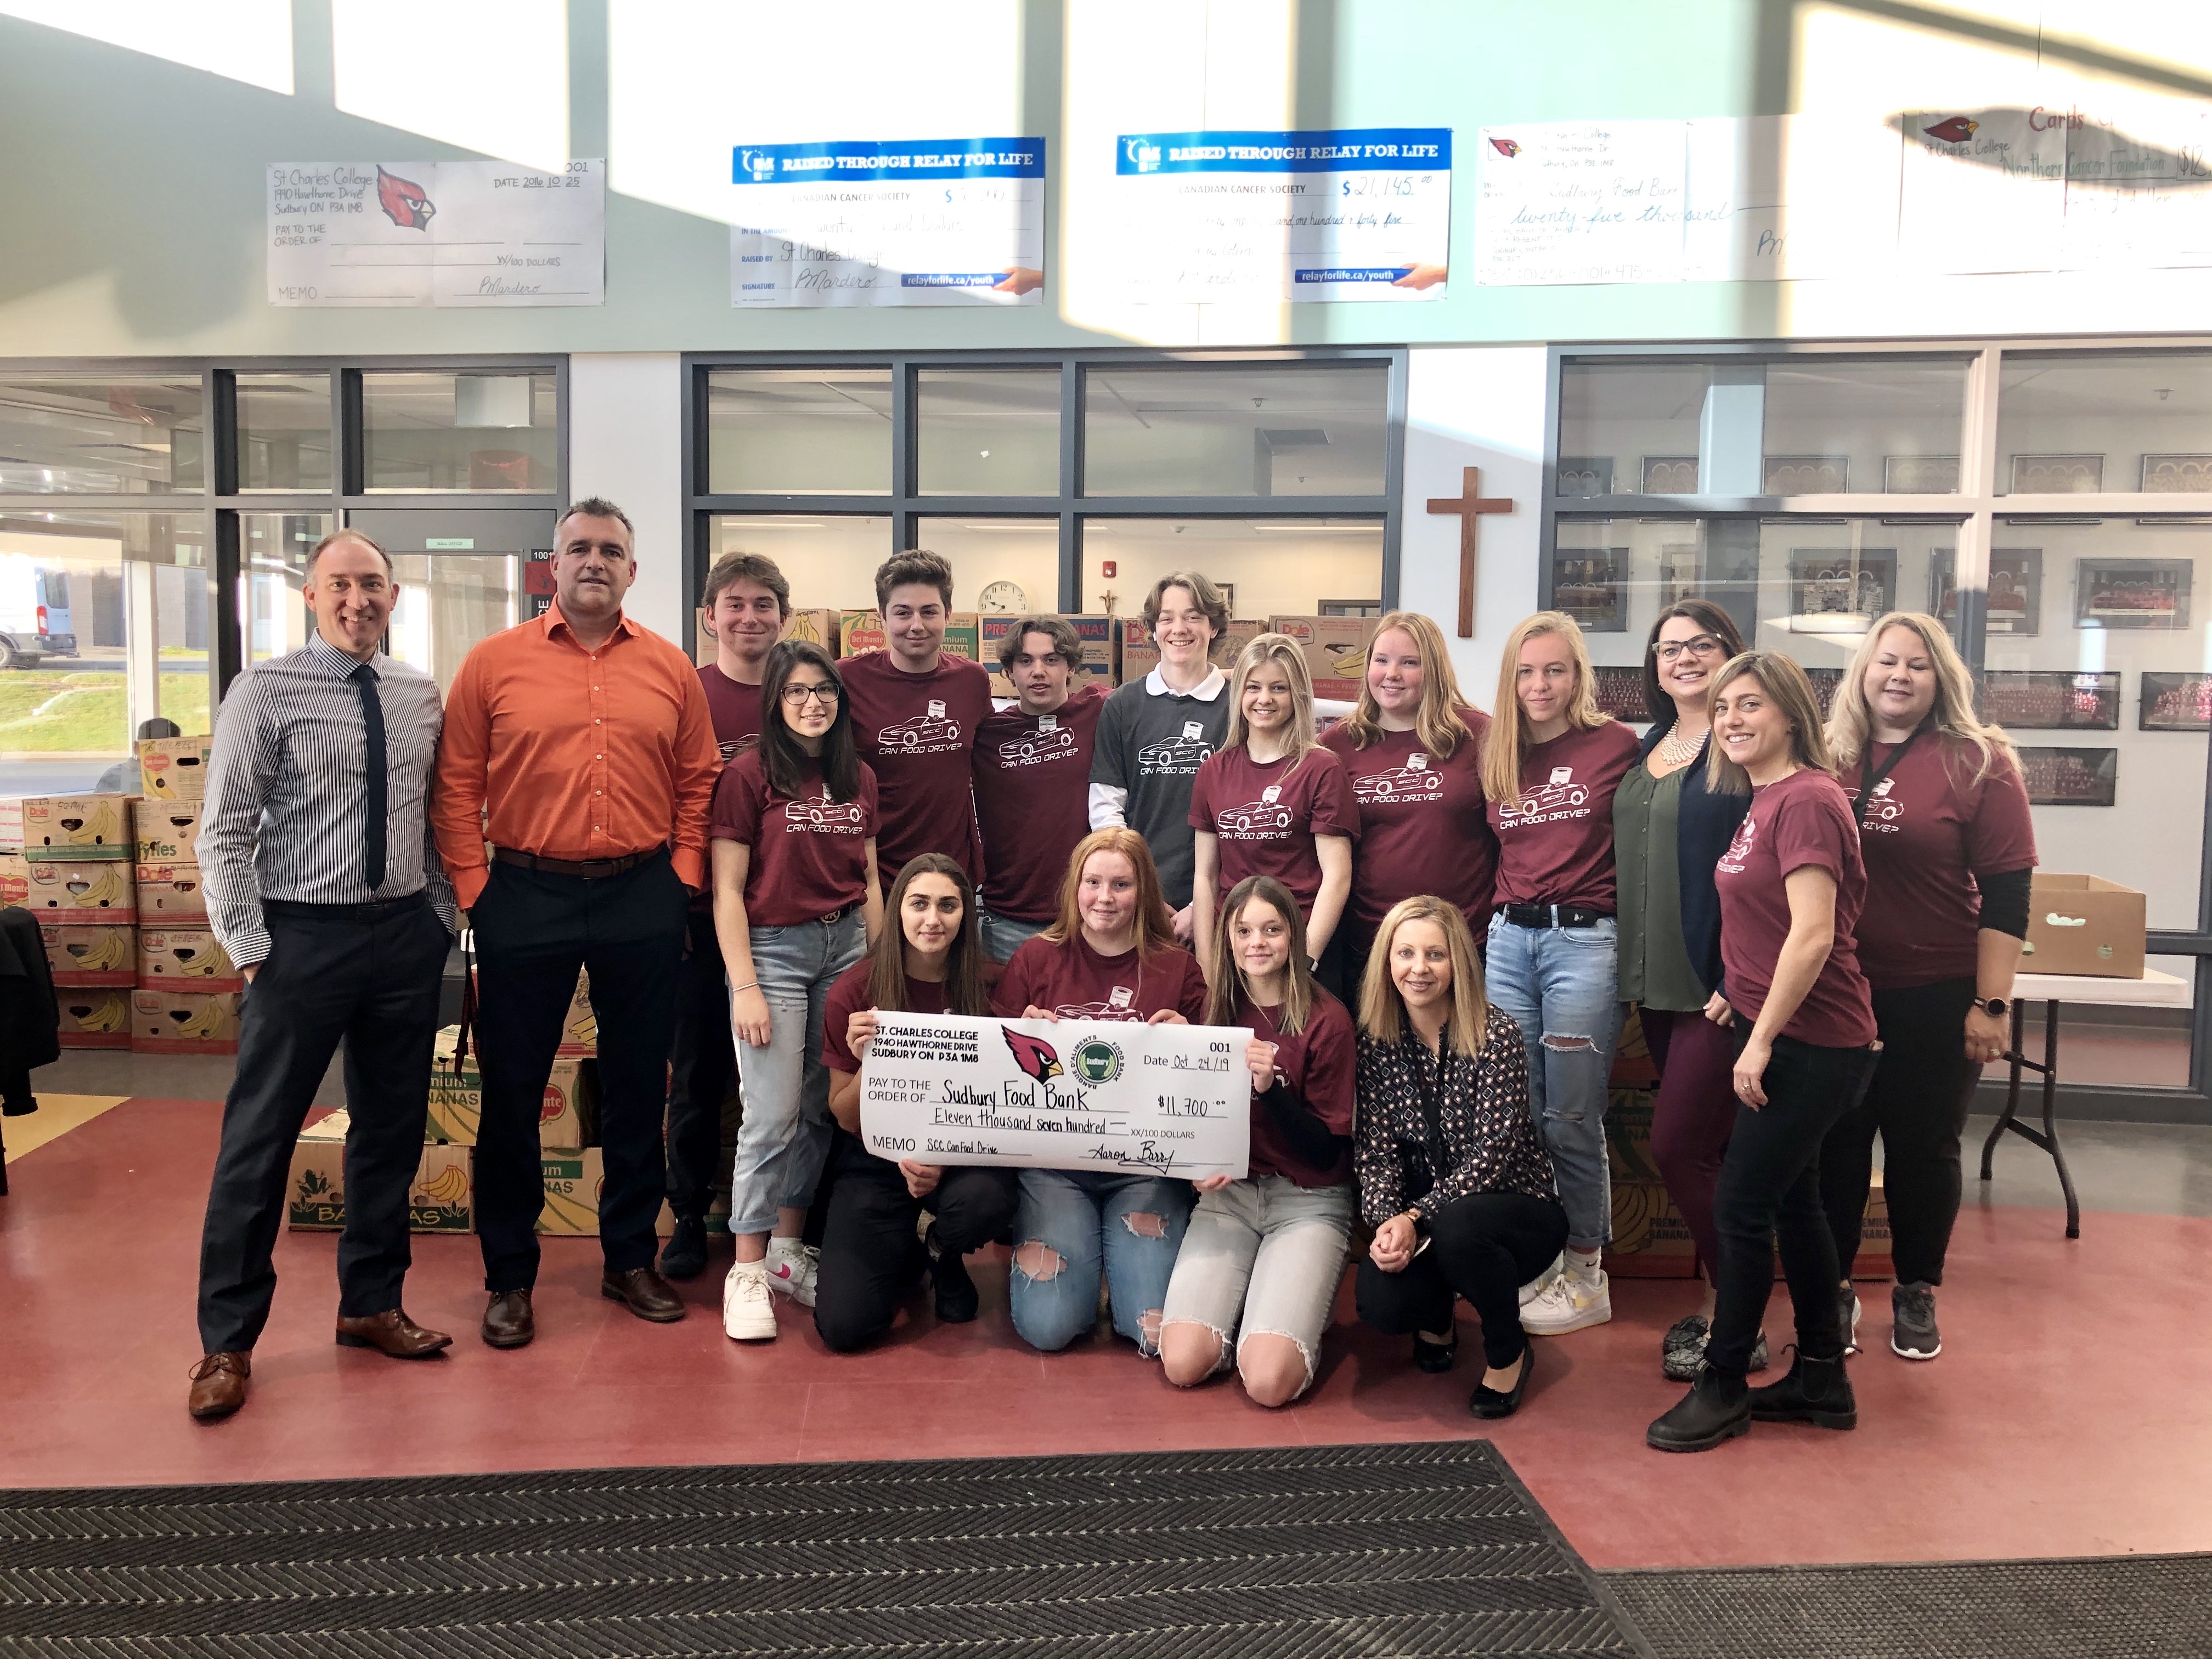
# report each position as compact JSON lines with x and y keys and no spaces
{"x":589,"y":869}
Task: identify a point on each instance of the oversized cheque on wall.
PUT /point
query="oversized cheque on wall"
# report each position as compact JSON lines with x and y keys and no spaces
{"x":1075,"y":1095}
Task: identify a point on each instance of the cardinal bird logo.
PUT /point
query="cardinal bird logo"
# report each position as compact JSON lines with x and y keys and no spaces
{"x":1505,"y":147}
{"x":1036,"y":1058}
{"x":1953,"y":129}
{"x":403,"y":201}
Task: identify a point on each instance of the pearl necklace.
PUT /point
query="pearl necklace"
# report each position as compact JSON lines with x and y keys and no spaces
{"x":1674,"y":753}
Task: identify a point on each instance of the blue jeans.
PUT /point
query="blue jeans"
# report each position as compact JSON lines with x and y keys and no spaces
{"x":785,"y":1134}
{"x":1004,"y":935}
{"x":1096,"y":1224}
{"x":1558,"y":984}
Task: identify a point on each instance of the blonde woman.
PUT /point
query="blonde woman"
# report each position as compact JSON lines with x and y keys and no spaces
{"x":1550,"y":769}
{"x":1950,"y":847}
{"x":1412,"y":749}
{"x":1273,"y":802}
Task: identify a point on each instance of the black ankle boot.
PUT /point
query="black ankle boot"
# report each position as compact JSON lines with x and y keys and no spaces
{"x":1718,"y":1408}
{"x":684,"y":1256}
{"x":1816,"y":1391}
{"x":957,"y":1302}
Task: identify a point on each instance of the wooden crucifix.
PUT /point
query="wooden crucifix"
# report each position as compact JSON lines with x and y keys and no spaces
{"x":1469,"y":506}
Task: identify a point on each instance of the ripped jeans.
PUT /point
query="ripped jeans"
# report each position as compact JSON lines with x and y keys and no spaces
{"x":1076,"y":1226}
{"x":1264,"y":1257}
{"x":1558,"y":984}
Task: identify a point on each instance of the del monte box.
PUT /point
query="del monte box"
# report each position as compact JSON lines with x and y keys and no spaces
{"x":565,"y":1117}
{"x":174,"y":768}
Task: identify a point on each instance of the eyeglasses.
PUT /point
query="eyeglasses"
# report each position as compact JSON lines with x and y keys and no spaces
{"x":1704,"y":646}
{"x":793,"y":695}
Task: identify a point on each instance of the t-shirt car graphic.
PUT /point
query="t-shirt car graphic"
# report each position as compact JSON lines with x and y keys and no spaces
{"x":1557,"y":795}
{"x":823,"y":817}
{"x":1096,"y":1010}
{"x":928,"y":727}
{"x":1254,"y":815}
{"x":1176,"y":755}
{"x":1883,"y":807}
{"x":1407,"y":783}
{"x":1037,"y":746}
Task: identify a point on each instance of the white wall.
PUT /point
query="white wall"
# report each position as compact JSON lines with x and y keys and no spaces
{"x":626,"y":443}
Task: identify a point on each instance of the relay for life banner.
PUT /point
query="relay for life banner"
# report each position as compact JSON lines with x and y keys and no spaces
{"x":464,"y":234}
{"x":936,"y":222}
{"x":1071,"y":1095}
{"x":1361,"y":213}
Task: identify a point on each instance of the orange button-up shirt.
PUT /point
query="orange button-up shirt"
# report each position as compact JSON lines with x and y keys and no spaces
{"x":578,"y":754}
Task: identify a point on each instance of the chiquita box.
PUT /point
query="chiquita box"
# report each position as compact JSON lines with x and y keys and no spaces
{"x":171,"y":894}
{"x":174,"y":768}
{"x":184,"y":1022}
{"x":76,"y":827}
{"x":441,"y":1200}
{"x":163,"y":831}
{"x":102,"y":955}
{"x":184,"y":959}
{"x":81,"y":893}
{"x":93,"y":1018}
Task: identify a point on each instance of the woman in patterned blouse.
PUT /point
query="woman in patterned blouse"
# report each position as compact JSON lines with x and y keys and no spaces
{"x":1451,"y":1174}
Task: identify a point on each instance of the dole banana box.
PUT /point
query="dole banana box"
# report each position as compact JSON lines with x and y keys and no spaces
{"x":98,"y":955}
{"x":572,"y":1183}
{"x":184,"y":1022}
{"x":163,"y":831}
{"x":11,"y":823}
{"x":567,"y":1116}
{"x":172,"y":894}
{"x":858,"y":632}
{"x":579,"y":1026}
{"x":94,"y":1018}
{"x":82,"y":894}
{"x":76,"y":827}
{"x":174,"y":768}
{"x":15,"y":879}
{"x":1335,"y":649}
{"x":441,"y":1199}
{"x":184,"y":959}
{"x":1140,"y":652}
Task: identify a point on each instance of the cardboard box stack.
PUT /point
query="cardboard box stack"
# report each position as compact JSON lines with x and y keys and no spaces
{"x":1335,"y":650}
{"x":1101,"y":648}
{"x":187,"y":999}
{"x":72,"y":861}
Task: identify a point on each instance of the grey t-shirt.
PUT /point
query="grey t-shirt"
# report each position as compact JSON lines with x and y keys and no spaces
{"x":1151,"y":743}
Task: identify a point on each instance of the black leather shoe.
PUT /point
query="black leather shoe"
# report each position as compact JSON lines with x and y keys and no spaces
{"x":645,"y":1293}
{"x":1434,"y":1358}
{"x":1718,"y":1408}
{"x":684,"y":1256}
{"x":1816,"y":1391}
{"x":508,"y":1321}
{"x":1488,"y":1402}
{"x":957,"y":1302}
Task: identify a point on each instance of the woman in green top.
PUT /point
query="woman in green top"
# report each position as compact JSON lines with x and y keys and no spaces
{"x":1668,"y":831}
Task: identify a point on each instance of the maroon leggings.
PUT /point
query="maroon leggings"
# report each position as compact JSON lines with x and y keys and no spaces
{"x":1692,"y":1116}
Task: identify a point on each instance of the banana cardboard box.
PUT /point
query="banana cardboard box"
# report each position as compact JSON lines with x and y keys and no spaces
{"x":816,"y":627}
{"x":11,"y":823}
{"x":171,"y":895}
{"x":572,"y":1181}
{"x":184,"y":1022}
{"x":174,"y":768}
{"x":104,"y":955}
{"x":441,"y":1200}
{"x":15,"y":879}
{"x":567,"y":1116}
{"x":964,"y":636}
{"x":184,"y":959}
{"x":94,"y":1018}
{"x":76,"y":827}
{"x":163,"y":831}
{"x":580,"y":1027}
{"x":82,"y":894}
{"x":1335,"y":650}
{"x":858,"y":632}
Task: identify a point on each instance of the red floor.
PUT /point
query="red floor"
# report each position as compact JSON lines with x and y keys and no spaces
{"x":2001,"y":1448}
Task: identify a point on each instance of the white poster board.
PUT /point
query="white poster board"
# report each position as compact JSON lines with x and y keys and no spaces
{"x":464,"y":234}
{"x":1111,"y":1095}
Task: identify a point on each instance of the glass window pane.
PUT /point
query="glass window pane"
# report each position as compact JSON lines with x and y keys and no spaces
{"x":481,"y":432}
{"x":2085,"y":423}
{"x":998,"y":564}
{"x":1631,"y":427}
{"x":283,"y":432}
{"x":100,"y":435}
{"x":1863,"y":426}
{"x":272,"y":618}
{"x":1234,"y":430}
{"x":992,"y":432}
{"x":1267,"y":566}
{"x":830,"y":559}
{"x":798,"y":432}
{"x":444,"y":603}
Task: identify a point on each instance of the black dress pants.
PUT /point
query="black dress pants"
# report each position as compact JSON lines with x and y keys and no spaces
{"x":869,"y":1255}
{"x":1483,"y":1246}
{"x":704,"y":1069}
{"x":533,"y":931}
{"x":374,"y":982}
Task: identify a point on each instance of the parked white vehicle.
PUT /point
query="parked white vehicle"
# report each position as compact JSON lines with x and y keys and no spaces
{"x":34,"y":611}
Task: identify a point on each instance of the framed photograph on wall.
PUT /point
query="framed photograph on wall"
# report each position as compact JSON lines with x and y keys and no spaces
{"x":2177,"y":475}
{"x":2058,"y":475}
{"x":1585,"y":474}
{"x":2132,"y":593}
{"x":2175,"y":702}
{"x":1680,"y":574}
{"x":2051,"y":699}
{"x":1591,"y":586}
{"x":1840,"y":581}
{"x":1670,"y":475}
{"x":1620,"y":692}
{"x":2071,"y":777}
{"x":2015,"y":593}
{"x":1920,"y":475}
{"x":1806,"y":475}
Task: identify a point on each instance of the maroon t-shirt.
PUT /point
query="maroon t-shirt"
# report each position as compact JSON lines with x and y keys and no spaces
{"x":1318,"y":1065}
{"x":849,"y":996}
{"x":918,"y":731}
{"x":1264,"y":816}
{"x":809,"y":856}
{"x":1423,"y":826}
{"x":1074,"y":981}
{"x":1928,"y":831}
{"x":1556,"y":846}
{"x":735,"y":707}
{"x":1802,"y":822}
{"x":1033,"y":800}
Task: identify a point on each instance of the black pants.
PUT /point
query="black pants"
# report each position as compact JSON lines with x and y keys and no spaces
{"x":704,"y":1070}
{"x":1770,"y":1191}
{"x":533,"y":931}
{"x":374,"y":983}
{"x":1483,"y":1248}
{"x":869,"y":1252}
{"x":1918,"y":1103}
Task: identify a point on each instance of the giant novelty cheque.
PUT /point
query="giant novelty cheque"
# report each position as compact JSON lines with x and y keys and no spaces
{"x":1070,"y":1094}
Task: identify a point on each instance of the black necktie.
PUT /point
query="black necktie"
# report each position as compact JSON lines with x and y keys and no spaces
{"x":372,"y":720}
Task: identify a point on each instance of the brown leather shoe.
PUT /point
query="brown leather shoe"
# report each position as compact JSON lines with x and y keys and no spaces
{"x":647,"y":1293}
{"x":507,"y":1322}
{"x":219,"y":1385}
{"x":394,"y":1333}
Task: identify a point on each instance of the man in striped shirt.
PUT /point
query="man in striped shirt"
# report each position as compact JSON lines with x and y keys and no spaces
{"x":324,"y":884}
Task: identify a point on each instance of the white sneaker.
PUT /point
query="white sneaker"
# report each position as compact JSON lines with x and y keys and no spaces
{"x":792,"y":1268}
{"x":1568,"y":1303}
{"x":748,"y":1309}
{"x":1542,"y":1282}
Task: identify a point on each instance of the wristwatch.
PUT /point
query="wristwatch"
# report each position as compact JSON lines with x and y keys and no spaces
{"x":1994,"y":1007}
